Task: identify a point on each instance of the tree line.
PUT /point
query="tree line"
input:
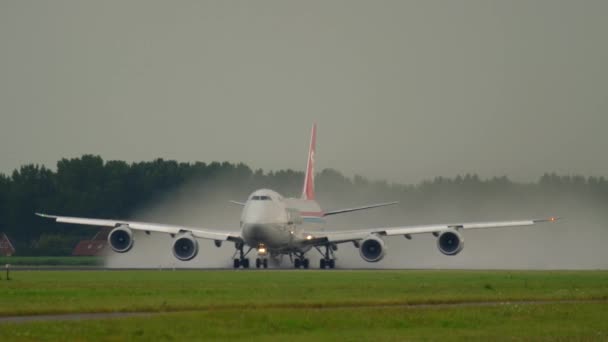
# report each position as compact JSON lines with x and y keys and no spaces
{"x":91,"y":187}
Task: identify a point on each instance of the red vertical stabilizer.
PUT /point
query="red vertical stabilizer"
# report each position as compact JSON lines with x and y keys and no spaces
{"x":308,"y":192}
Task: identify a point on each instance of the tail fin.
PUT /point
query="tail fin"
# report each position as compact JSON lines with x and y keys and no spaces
{"x":308,"y":192}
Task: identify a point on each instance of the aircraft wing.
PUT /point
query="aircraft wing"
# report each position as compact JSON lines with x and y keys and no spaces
{"x":348,"y":210}
{"x":149,"y":227}
{"x":320,"y":238}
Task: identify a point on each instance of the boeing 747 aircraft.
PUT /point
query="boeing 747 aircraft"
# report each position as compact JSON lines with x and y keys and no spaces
{"x":272,"y":226}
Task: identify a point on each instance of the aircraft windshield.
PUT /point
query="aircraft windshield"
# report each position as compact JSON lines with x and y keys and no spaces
{"x":260,"y":198}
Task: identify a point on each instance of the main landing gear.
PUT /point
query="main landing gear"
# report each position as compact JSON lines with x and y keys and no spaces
{"x":331,"y":263}
{"x":301,"y":262}
{"x":328,"y":259}
{"x":241,"y":260}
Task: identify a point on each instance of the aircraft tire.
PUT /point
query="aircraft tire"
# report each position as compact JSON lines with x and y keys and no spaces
{"x":296,"y":263}
{"x":245,"y":263}
{"x":322,"y":264}
{"x":305,"y":263}
{"x":332,"y":263}
{"x":258,"y":263}
{"x":236,"y":263}
{"x":265,"y":263}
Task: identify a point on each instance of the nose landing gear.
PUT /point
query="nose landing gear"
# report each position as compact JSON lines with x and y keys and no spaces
{"x":261,"y":262}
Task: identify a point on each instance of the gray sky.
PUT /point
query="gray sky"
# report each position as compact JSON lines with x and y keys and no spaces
{"x":401,"y":90}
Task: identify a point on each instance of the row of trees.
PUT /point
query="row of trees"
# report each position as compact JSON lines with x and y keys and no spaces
{"x":88,"y":186}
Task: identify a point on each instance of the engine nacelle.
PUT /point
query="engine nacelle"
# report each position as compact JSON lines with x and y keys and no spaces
{"x":372,"y":249}
{"x":185,"y":247}
{"x":450,"y":242}
{"x":121,"y":239}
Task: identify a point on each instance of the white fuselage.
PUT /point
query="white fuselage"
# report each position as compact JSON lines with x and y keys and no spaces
{"x":269,"y":221}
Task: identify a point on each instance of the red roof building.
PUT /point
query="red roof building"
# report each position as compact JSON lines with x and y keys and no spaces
{"x":94,"y":246}
{"x":6,"y":247}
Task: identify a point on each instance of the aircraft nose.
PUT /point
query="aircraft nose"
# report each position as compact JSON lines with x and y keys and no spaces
{"x":256,"y":233}
{"x":255,"y":219}
{"x":259,"y":214}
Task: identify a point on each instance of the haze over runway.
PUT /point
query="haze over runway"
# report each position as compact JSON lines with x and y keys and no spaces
{"x":402,"y":90}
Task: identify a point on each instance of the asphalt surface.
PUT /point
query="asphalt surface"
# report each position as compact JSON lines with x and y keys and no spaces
{"x":100,"y":268}
{"x":111,"y":315}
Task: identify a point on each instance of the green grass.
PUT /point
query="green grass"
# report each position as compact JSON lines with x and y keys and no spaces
{"x":304,"y":305}
{"x":32,"y":292}
{"x":51,"y":261}
{"x":565,"y":322}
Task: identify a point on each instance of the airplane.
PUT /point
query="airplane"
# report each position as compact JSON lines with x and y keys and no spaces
{"x":274,"y":226}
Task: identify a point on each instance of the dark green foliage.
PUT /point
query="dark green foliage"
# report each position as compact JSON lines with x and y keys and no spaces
{"x":88,"y":186}
{"x":54,"y":245}
{"x":51,"y":261}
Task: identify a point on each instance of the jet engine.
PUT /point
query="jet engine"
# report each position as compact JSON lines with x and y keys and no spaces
{"x":372,"y":249}
{"x":450,"y":242}
{"x":185,"y":247}
{"x":121,"y":239}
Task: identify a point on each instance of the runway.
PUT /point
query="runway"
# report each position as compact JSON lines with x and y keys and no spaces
{"x":91,"y":268}
{"x":227,"y":269}
{"x":272,"y":269}
{"x":114,"y":315}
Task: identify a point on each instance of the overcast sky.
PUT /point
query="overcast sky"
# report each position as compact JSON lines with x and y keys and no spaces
{"x":401,"y":90}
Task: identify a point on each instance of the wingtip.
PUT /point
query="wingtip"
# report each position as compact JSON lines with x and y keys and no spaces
{"x":45,"y":215}
{"x":550,"y":219}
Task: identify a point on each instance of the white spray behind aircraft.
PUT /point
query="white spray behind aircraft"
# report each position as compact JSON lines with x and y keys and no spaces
{"x":273,"y":226}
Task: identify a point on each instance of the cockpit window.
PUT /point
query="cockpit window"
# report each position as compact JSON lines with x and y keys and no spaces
{"x":260,"y":198}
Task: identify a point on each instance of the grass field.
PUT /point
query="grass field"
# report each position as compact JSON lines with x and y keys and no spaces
{"x":300,"y":305}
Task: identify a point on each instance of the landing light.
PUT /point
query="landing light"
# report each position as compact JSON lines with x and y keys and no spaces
{"x":262,"y":250}
{"x":308,"y":237}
